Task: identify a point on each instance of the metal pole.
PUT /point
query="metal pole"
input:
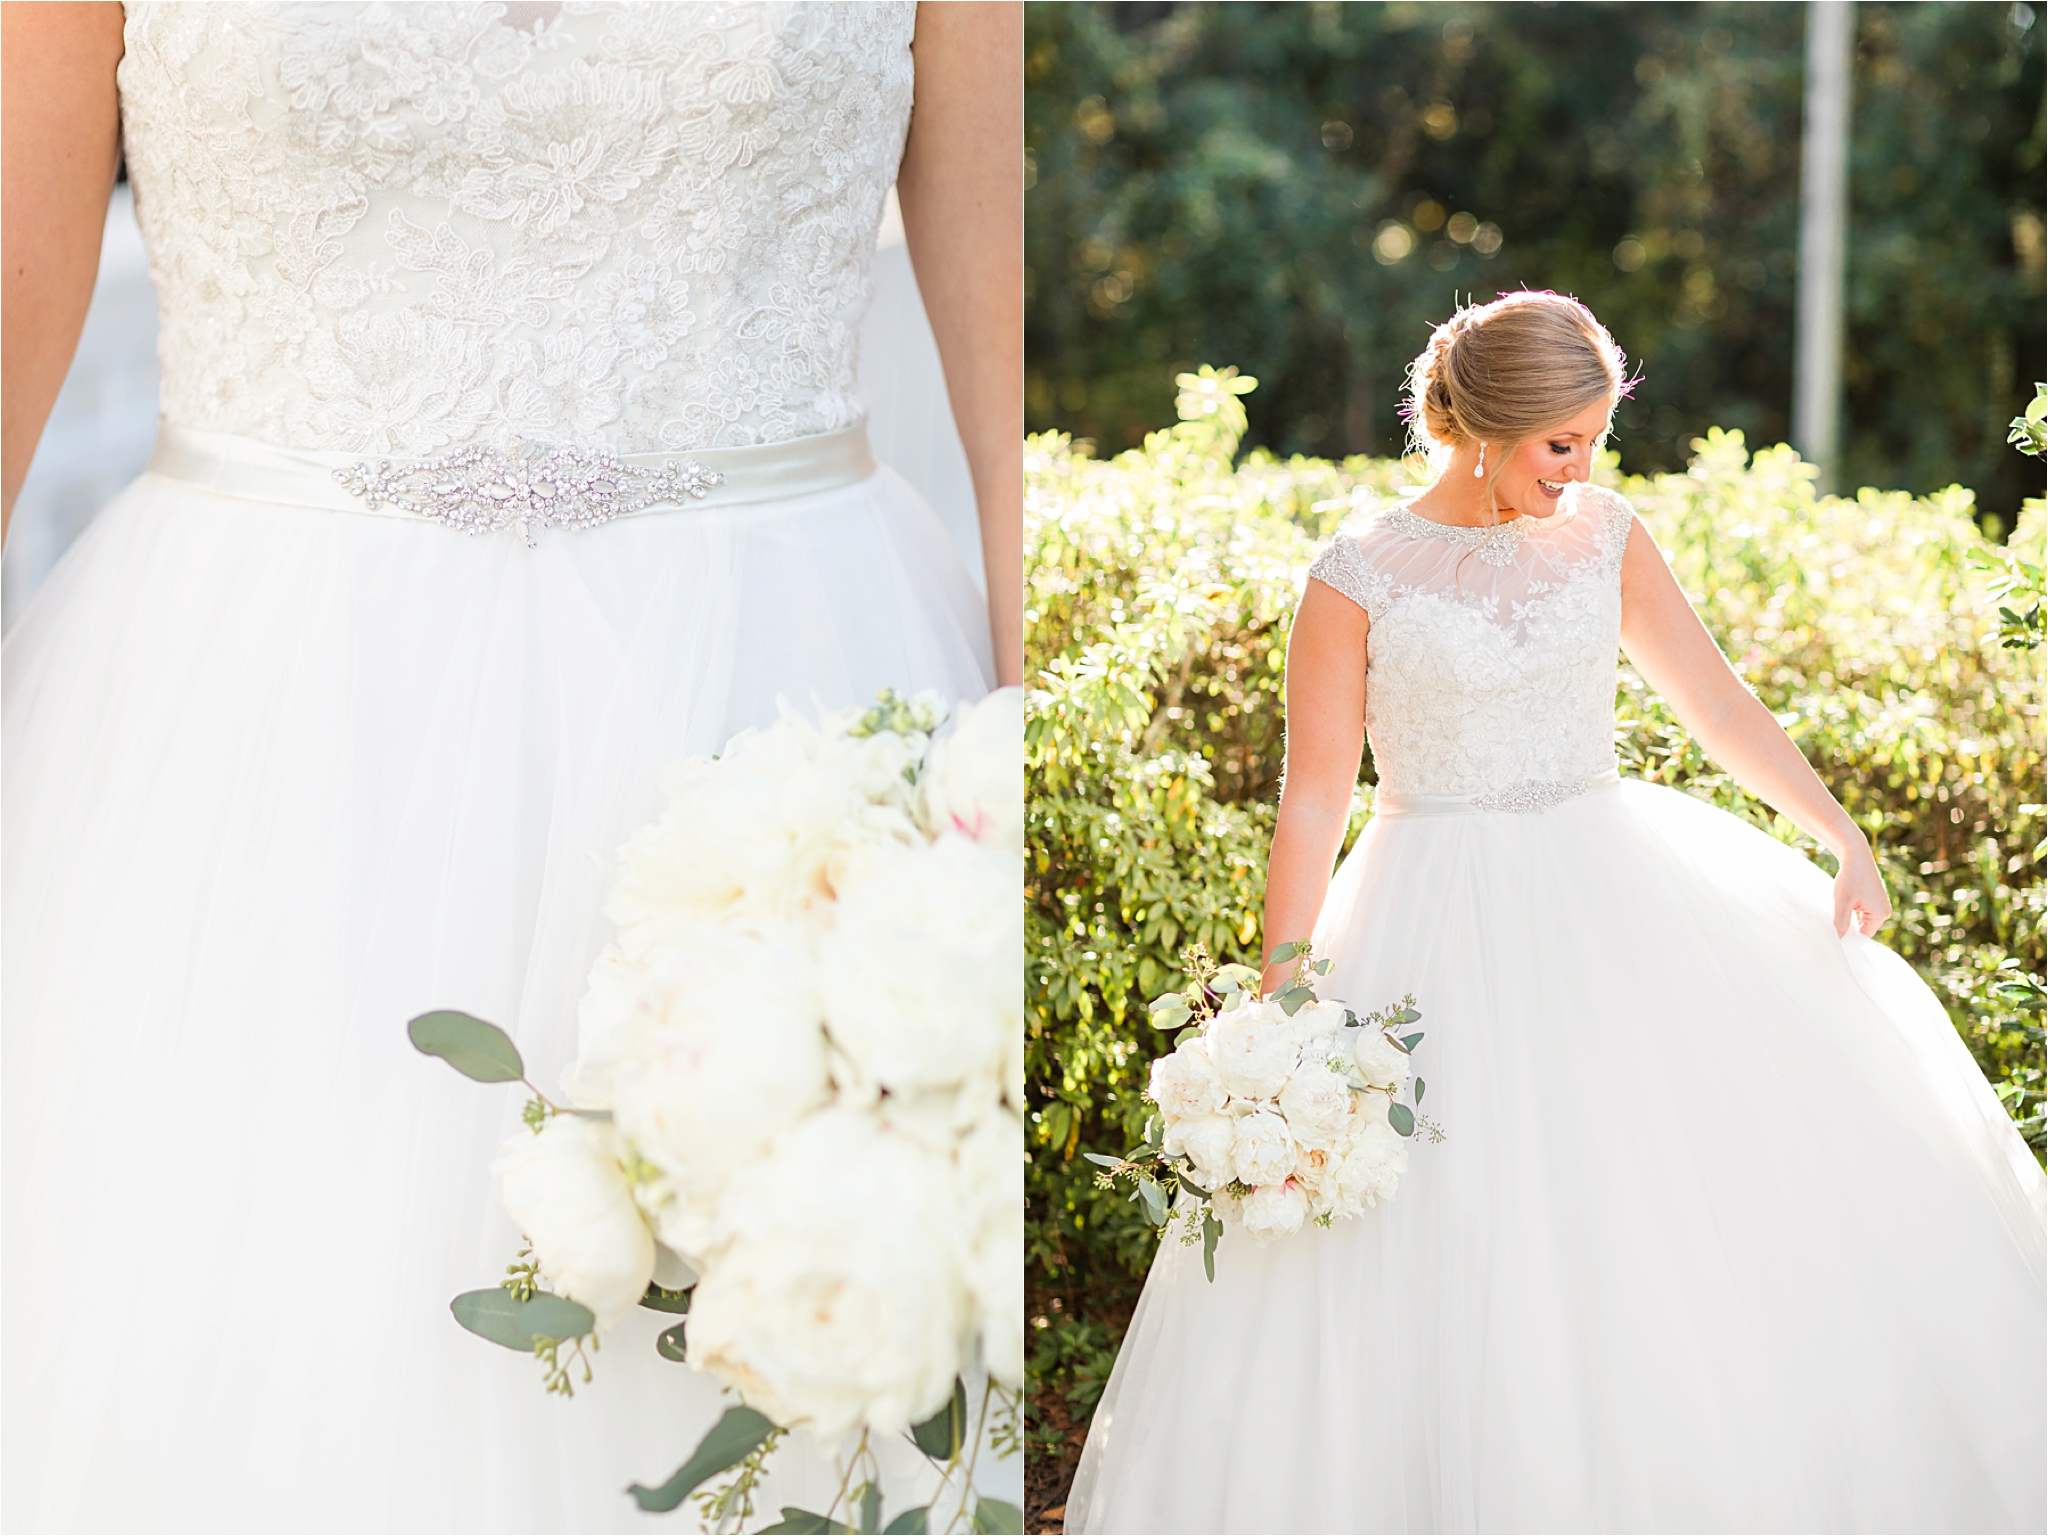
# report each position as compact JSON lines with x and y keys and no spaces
{"x":1823,"y":242}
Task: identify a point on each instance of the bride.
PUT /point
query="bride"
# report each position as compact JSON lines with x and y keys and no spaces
{"x":290,"y":758}
{"x":1728,"y":1232}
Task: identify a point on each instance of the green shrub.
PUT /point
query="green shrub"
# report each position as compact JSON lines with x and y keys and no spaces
{"x":1161,"y":586}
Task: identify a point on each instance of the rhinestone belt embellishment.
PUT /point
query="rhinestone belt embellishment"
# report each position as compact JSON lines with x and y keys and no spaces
{"x":481,"y":490}
{"x":1536,"y":795}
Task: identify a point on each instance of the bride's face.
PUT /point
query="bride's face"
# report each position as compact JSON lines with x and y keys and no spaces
{"x":1535,"y":477}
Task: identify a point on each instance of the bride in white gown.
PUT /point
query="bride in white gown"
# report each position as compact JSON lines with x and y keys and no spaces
{"x":1728,"y":1233}
{"x":284,"y":768}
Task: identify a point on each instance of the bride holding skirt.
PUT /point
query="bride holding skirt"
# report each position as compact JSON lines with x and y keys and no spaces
{"x":285,"y":768}
{"x":1728,"y":1232}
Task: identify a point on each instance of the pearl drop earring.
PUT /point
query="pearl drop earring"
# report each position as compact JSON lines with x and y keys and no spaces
{"x":1479,"y":469}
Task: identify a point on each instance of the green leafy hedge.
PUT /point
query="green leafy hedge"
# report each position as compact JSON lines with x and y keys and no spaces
{"x":1161,"y":586}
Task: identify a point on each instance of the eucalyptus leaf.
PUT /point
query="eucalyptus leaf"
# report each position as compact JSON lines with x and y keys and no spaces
{"x":1189,"y":1184}
{"x":1401,"y":1118}
{"x":1408,"y":1016}
{"x":1106,"y":1162}
{"x":909,"y":1523}
{"x":1171,"y":1018}
{"x":1289,"y":951}
{"x":669,"y":1345}
{"x":480,"y":1051}
{"x":658,"y":1300}
{"x":803,"y":1521}
{"x":1155,"y":1201}
{"x":556,"y":1317}
{"x":1409,"y":1042}
{"x":1187,"y":1034}
{"x":1324,"y":967}
{"x":1211,"y":1230}
{"x":941,"y":1436}
{"x":1151,"y":1130}
{"x":1235,"y":978}
{"x":994,"y":1516}
{"x":1294,"y":999}
{"x":1419,"y":1086}
{"x":494,"y":1315}
{"x":871,"y":1508}
{"x":729,"y":1442}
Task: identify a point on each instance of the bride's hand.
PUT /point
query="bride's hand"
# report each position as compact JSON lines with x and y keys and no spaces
{"x":1860,"y":899}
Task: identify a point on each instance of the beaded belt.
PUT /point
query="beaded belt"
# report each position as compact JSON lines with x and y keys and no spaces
{"x":483,"y":490}
{"x":1531,"y":795}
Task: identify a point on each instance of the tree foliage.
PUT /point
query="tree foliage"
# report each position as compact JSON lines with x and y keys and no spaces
{"x":1308,"y":188}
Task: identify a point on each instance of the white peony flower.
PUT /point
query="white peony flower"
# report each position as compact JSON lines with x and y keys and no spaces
{"x":1316,"y":1021}
{"x":1210,"y":1141}
{"x":1380,"y":1062}
{"x":975,"y":784}
{"x":1184,"y":1082}
{"x":1317,"y":1103}
{"x":1273,"y":1210}
{"x":925,"y":961}
{"x":990,"y":1169}
{"x":603,"y":1020}
{"x":765,"y":830}
{"x":565,"y":1188}
{"x":1264,"y":1151}
{"x":724,"y":1052}
{"x":1254,"y":1050}
{"x":1315,"y":1170}
{"x":839,"y":1299}
{"x":1372,"y":1170}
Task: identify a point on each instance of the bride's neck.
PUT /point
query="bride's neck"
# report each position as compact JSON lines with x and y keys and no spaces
{"x":1464,"y":505}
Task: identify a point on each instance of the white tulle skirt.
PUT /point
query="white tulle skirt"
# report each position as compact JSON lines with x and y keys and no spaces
{"x":276,"y":780}
{"x":1728,"y":1233}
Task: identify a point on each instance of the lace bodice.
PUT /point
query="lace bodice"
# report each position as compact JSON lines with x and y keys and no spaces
{"x":1491,"y":655}
{"x":404,"y":228}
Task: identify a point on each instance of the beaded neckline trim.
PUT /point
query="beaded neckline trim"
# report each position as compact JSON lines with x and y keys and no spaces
{"x":1495,"y":545}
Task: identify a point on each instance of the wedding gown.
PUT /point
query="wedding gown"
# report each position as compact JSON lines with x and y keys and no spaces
{"x":283,"y":769}
{"x":1727,"y":1231}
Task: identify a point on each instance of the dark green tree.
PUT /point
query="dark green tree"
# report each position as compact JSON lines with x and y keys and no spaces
{"x":1303,"y":190}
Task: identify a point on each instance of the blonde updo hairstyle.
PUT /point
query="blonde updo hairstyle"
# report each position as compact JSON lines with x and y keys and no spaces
{"x":1506,"y":372}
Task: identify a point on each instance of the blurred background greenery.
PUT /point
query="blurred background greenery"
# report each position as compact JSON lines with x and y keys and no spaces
{"x":1304,"y":189}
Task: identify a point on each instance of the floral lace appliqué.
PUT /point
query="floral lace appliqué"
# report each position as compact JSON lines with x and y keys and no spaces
{"x":1490,"y":663}
{"x":411,"y":229}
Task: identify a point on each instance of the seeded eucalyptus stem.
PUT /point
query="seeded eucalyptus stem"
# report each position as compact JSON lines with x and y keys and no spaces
{"x":974,"y":1456}
{"x":846,"y":1477}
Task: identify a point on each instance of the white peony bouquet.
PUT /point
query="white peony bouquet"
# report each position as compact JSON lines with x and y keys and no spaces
{"x":794,"y":1118}
{"x":1273,"y":1112}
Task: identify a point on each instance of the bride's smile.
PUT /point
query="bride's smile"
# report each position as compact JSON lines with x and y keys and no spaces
{"x":1481,"y":484}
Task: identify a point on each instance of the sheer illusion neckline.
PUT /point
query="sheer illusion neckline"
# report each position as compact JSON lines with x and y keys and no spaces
{"x":1495,"y":543}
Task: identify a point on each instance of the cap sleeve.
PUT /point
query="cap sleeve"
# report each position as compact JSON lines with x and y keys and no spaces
{"x":1613,"y":517}
{"x":1342,"y":566}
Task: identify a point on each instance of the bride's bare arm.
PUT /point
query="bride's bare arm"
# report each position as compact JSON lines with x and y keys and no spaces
{"x":1325,"y":740}
{"x":1669,"y":645}
{"x":962,"y":190}
{"x":60,"y":126}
